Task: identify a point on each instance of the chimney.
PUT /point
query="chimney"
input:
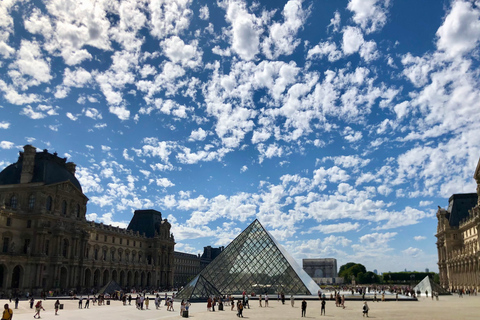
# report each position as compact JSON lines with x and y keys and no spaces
{"x":28,"y":163}
{"x":71,"y":167}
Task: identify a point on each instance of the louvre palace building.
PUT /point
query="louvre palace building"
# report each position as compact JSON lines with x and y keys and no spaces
{"x":47,"y":244}
{"x":458,"y":241}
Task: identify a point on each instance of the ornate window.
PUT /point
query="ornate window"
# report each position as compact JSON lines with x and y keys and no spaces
{"x":64,"y":207}
{"x":31,"y":202}
{"x":48,"y":205}
{"x":13,"y":202}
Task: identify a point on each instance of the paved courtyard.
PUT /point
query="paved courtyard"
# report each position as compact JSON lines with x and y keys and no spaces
{"x":448,"y":307}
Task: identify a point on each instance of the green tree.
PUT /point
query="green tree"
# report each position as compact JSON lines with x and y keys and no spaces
{"x":351,"y":269}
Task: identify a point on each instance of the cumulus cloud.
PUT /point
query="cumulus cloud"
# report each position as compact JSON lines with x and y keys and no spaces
{"x":460,"y":31}
{"x":370,"y":15}
{"x":245,"y":29}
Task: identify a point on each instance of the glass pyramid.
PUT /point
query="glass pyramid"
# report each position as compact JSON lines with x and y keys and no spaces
{"x":427,"y":285}
{"x":252,"y":262}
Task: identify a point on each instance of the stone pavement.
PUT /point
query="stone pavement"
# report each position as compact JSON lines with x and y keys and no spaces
{"x":449,"y":307}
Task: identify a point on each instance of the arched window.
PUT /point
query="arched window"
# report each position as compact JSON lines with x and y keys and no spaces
{"x":31,"y":201}
{"x":64,"y":207}
{"x":48,"y":205}
{"x":13,"y":202}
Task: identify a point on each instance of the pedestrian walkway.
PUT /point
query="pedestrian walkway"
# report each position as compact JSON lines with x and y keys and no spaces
{"x":449,"y":307}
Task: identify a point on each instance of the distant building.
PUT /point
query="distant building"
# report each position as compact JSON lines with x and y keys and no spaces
{"x":322,"y":271}
{"x":209,"y":254}
{"x":187,"y":266}
{"x":457,"y":240}
{"x":427,"y":270}
{"x":375,"y":271}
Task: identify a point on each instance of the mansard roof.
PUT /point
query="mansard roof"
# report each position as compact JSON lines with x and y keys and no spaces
{"x":458,"y":207}
{"x":48,"y":168}
{"x":147,"y":221}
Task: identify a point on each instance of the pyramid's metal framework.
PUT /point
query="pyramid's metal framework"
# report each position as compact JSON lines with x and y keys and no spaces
{"x":252,"y":262}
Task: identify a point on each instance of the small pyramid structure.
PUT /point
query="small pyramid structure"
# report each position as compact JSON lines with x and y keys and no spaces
{"x":110,"y":288}
{"x":427,"y":285}
{"x":253,"y":262}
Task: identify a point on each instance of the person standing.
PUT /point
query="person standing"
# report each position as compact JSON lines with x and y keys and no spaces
{"x":87,"y":302}
{"x":260,"y":300}
{"x":80,"y":303}
{"x":322,"y":310}
{"x":266,"y":300}
{"x":32,"y":301}
{"x":7,"y":313}
{"x":56,"y":306}
{"x":38,"y":308}
{"x":304,"y":308}
{"x":292,"y":300}
{"x":365,"y":309}
{"x":147,"y":302}
{"x":16,"y":302}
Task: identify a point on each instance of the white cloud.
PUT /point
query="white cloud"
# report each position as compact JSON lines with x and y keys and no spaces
{"x":245,"y":29}
{"x":281,"y":38}
{"x":460,"y":32}
{"x":6,"y":144}
{"x":352,"y":40}
{"x":188,"y":55}
{"x":204,"y":13}
{"x":4,"y":125}
{"x":326,"y":48}
{"x":29,"y":68}
{"x":40,"y":112}
{"x":197,"y":135}
{"x":413,"y":252}
{"x":371,"y":15}
{"x":419,"y":238}
{"x":335,"y":22}
{"x":336,"y":228}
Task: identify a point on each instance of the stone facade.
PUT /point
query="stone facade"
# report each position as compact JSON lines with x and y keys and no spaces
{"x":47,"y":243}
{"x":322,"y":271}
{"x":458,"y":241}
{"x":187,"y":266}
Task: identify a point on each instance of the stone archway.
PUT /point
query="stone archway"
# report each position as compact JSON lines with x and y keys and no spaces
{"x":135,"y":280}
{"x":88,"y":278}
{"x":114,"y":276}
{"x":96,"y":278}
{"x":129,"y":279}
{"x":121,"y":281}
{"x":149,"y":279}
{"x":142,"y":279}
{"x":63,"y":278}
{"x":16,"y":277}
{"x":3,"y":273}
{"x":106,"y":276}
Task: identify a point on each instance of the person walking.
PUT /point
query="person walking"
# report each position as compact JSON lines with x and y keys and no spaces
{"x":7,"y":313}
{"x":147,"y":302}
{"x":56,"y":306}
{"x":292,"y":300}
{"x":38,"y":308}
{"x":365,"y":309}
{"x":32,"y":301}
{"x":87,"y":302}
{"x":304,"y":308}
{"x":240,"y":309}
{"x":16,"y":302}
{"x":260,"y":300}
{"x":322,"y":310}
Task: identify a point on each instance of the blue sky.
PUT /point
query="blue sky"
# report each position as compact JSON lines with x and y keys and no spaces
{"x":340,"y":125}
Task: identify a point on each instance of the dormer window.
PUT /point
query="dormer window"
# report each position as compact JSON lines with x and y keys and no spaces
{"x":13,"y":202}
{"x":31,"y":202}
